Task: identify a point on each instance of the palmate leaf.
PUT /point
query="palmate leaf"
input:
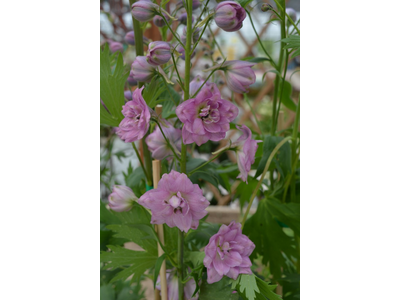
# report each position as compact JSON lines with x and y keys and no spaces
{"x":270,"y":240}
{"x":111,"y":88}
{"x":139,"y":262}
{"x":218,"y":290}
{"x":250,"y":287}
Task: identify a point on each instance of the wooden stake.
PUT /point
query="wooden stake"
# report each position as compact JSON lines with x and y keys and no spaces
{"x":160,"y":233}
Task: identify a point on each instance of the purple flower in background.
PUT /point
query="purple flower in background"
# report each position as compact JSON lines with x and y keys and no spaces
{"x":116,"y":47}
{"x":206,"y":117}
{"x":181,"y":50}
{"x":195,"y":35}
{"x":183,"y":19}
{"x":173,"y":287}
{"x":130,"y":38}
{"x":292,"y":14}
{"x":144,"y":10}
{"x":239,"y":75}
{"x":128,"y":95}
{"x":141,"y":70}
{"x":159,"y":53}
{"x":176,"y":201}
{"x":158,"y":146}
{"x":121,"y":198}
{"x":227,"y":253}
{"x":246,"y":149}
{"x":195,"y":4}
{"x":229,"y":16}
{"x":137,"y":118}
{"x":131,"y":80}
{"x":195,"y":84}
{"x":159,"y":21}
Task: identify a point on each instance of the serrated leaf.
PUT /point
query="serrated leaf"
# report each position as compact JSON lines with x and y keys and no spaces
{"x":269,"y":238}
{"x":218,"y":290}
{"x":246,"y":285}
{"x":112,"y":87}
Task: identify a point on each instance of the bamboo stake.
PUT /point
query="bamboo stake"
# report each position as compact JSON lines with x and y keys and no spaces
{"x":160,"y":233}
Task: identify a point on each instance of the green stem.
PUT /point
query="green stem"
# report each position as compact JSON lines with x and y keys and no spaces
{"x":201,"y":35}
{"x":259,"y":40}
{"x":170,"y":29}
{"x":138,"y":38}
{"x":262,"y":177}
{"x":147,"y":160}
{"x":202,"y":12}
{"x":294,"y":147}
{"x":177,"y":72}
{"x":216,"y":43}
{"x":181,"y":266}
{"x":282,"y":86}
{"x":205,"y":81}
{"x":285,"y":14}
{"x":289,"y":178}
{"x":138,"y":157}
{"x":254,"y":114}
{"x":207,"y":162}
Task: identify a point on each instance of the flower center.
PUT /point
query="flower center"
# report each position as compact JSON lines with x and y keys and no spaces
{"x":209,"y":114}
{"x":178,"y":203}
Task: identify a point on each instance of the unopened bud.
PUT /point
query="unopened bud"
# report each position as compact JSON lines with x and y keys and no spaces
{"x":266,"y":7}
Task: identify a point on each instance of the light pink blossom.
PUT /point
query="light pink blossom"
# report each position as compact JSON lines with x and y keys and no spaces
{"x":227,"y":253}
{"x":121,"y":198}
{"x":157,"y":144}
{"x":239,"y":75}
{"x":176,"y":201}
{"x":246,"y":149}
{"x":137,"y":118}
{"x":206,"y":117}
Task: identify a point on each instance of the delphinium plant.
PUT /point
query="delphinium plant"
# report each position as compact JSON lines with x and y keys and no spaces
{"x":201,"y":260}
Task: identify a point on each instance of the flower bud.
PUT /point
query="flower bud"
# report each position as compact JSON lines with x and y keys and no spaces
{"x":195,"y":4}
{"x":159,"y":21}
{"x":239,"y":75}
{"x":144,"y":10}
{"x":116,"y":47}
{"x":128,"y":95}
{"x":266,"y":7}
{"x":181,"y":50}
{"x":292,"y":14}
{"x":121,"y":198}
{"x":229,"y":16}
{"x":159,"y":53}
{"x":141,"y":70}
{"x":130,"y":38}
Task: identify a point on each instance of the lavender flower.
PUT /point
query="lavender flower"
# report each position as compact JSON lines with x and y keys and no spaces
{"x":206,"y":117}
{"x":159,"y":21}
{"x":130,"y":38}
{"x":131,"y":80}
{"x":183,"y":19}
{"x":116,"y":47}
{"x":158,"y":146}
{"x":182,"y":51}
{"x":137,"y":118}
{"x":227,"y":253}
{"x":229,"y":16}
{"x":121,"y":198}
{"x":239,"y":75}
{"x":159,"y":53}
{"x":144,"y":10}
{"x":141,"y":70}
{"x":176,"y":201}
{"x":173,"y":287}
{"x":246,"y":149}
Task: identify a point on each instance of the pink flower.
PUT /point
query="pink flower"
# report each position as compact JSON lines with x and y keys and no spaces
{"x":137,"y":118}
{"x":158,"y":145}
{"x":159,"y":53}
{"x":173,"y":287}
{"x":239,"y":75}
{"x":141,"y":70}
{"x":176,"y":201}
{"x":121,"y":198}
{"x":130,"y":38}
{"x":228,"y":253}
{"x":229,"y":16}
{"x":246,"y":149}
{"x":206,"y":117}
{"x":159,"y":21}
{"x":116,"y":47}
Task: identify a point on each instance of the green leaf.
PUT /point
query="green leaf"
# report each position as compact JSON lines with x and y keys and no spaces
{"x":137,"y":215}
{"x":287,"y":213}
{"x":112,"y":88}
{"x":157,"y":268}
{"x":256,"y":59}
{"x":287,"y":96}
{"x":244,"y":3}
{"x":153,"y":90}
{"x":140,"y":261}
{"x":204,"y":175}
{"x":267,"y":290}
{"x":195,"y":257}
{"x":135,"y":180}
{"x":200,"y":237}
{"x":282,"y":158}
{"x":218,"y":290}
{"x":293,"y":41}
{"x":246,"y":285}
{"x":244,"y":190}
{"x":269,"y":238}
{"x":107,"y":292}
